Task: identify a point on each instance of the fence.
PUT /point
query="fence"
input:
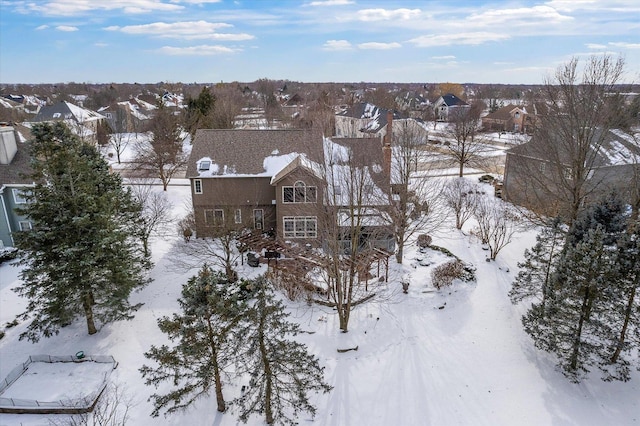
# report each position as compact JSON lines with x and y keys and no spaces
{"x":73,"y":406}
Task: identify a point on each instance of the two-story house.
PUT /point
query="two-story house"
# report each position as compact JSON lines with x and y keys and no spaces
{"x":293,"y":183}
{"x":448,"y":106}
{"x":539,"y":174}
{"x":14,"y":164}
{"x":509,"y":118}
{"x":82,"y":122}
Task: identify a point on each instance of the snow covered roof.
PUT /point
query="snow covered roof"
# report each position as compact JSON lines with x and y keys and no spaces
{"x":64,"y":110}
{"x":241,"y":152}
{"x":615,"y":148}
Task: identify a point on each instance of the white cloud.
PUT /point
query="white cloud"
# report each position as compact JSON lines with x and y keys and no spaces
{"x":99,"y":44}
{"x":379,"y":46}
{"x":79,"y":7}
{"x":337,"y":45}
{"x":474,"y":38}
{"x":195,"y":30}
{"x":42,"y":27}
{"x":66,"y":28}
{"x":596,"y":46}
{"x":443,"y":57}
{"x":331,"y":3}
{"x":625,"y":45}
{"x":203,"y":50}
{"x":196,"y":1}
{"x":524,"y":16}
{"x":371,"y":15}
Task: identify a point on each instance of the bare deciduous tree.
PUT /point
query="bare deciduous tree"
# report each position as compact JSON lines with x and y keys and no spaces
{"x":219,"y":250}
{"x":163,"y":155}
{"x":415,"y":202}
{"x":461,"y":196}
{"x":112,"y":409}
{"x":350,"y":224}
{"x":497,"y":224}
{"x":156,"y":215}
{"x":571,"y":135}
{"x":465,"y":147}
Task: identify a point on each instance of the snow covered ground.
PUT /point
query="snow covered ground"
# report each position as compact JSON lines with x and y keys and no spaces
{"x":457,"y":356}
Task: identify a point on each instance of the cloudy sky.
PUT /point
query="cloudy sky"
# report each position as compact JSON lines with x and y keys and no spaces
{"x":147,"y":41}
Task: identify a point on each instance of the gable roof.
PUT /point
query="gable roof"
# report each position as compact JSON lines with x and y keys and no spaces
{"x":505,"y":112}
{"x":64,"y":110}
{"x":452,"y":100}
{"x":365,"y":111}
{"x":251,"y":152}
{"x":616,"y":148}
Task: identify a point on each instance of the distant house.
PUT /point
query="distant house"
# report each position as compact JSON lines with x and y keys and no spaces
{"x":535,"y":179}
{"x":128,"y":116}
{"x":272,"y":180}
{"x":509,"y":118}
{"x":365,"y":120}
{"x":446,"y":106}
{"x":81,"y":121}
{"x":14,"y":164}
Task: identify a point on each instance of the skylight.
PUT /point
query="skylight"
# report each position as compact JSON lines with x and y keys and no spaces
{"x":204,"y":165}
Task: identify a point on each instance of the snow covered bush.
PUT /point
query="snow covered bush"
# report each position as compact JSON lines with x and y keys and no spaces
{"x":424,"y":240}
{"x":443,"y":275}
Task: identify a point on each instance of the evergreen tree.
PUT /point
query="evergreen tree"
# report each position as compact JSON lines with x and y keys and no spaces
{"x":536,"y":272}
{"x":624,"y":315}
{"x":572,"y":314}
{"x":282,"y":371}
{"x":207,"y":344}
{"x":199,"y":112}
{"x":82,"y":256}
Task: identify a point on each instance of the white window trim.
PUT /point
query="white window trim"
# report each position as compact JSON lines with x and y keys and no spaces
{"x":197,"y":183}
{"x":238,"y":216}
{"x":298,"y":185}
{"x":255,"y":222}
{"x":22,"y":226}
{"x":17,"y":197}
{"x":299,"y":219}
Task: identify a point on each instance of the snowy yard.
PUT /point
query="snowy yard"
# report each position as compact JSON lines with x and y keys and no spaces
{"x":49,"y":383}
{"x":458,"y":356}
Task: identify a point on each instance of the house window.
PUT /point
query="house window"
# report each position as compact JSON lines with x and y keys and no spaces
{"x":25,"y":225}
{"x":218,"y":217}
{"x":197,"y":186}
{"x":19,"y":196}
{"x":108,"y":115}
{"x":300,"y":226}
{"x":299,"y":193}
{"x":258,"y":219}
{"x":238,"y":216}
{"x":214,"y":217}
{"x":542,"y":167}
{"x":204,"y":165}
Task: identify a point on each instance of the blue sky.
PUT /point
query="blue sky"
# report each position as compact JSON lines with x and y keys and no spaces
{"x":147,"y":41}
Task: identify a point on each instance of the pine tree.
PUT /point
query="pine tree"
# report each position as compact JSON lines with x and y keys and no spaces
{"x":282,"y":371}
{"x":82,"y":256}
{"x":536,"y":272}
{"x":624,"y":315}
{"x":572,"y":312}
{"x":207,"y":343}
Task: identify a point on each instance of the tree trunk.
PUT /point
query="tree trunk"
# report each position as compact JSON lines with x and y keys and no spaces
{"x":216,"y":370}
{"x":87,"y":300}
{"x":578,"y":336}
{"x":461,"y":171}
{"x":400,"y":252}
{"x":268,"y":374}
{"x":625,"y":325}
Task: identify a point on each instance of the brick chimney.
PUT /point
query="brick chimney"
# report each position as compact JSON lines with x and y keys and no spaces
{"x":386,"y":145}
